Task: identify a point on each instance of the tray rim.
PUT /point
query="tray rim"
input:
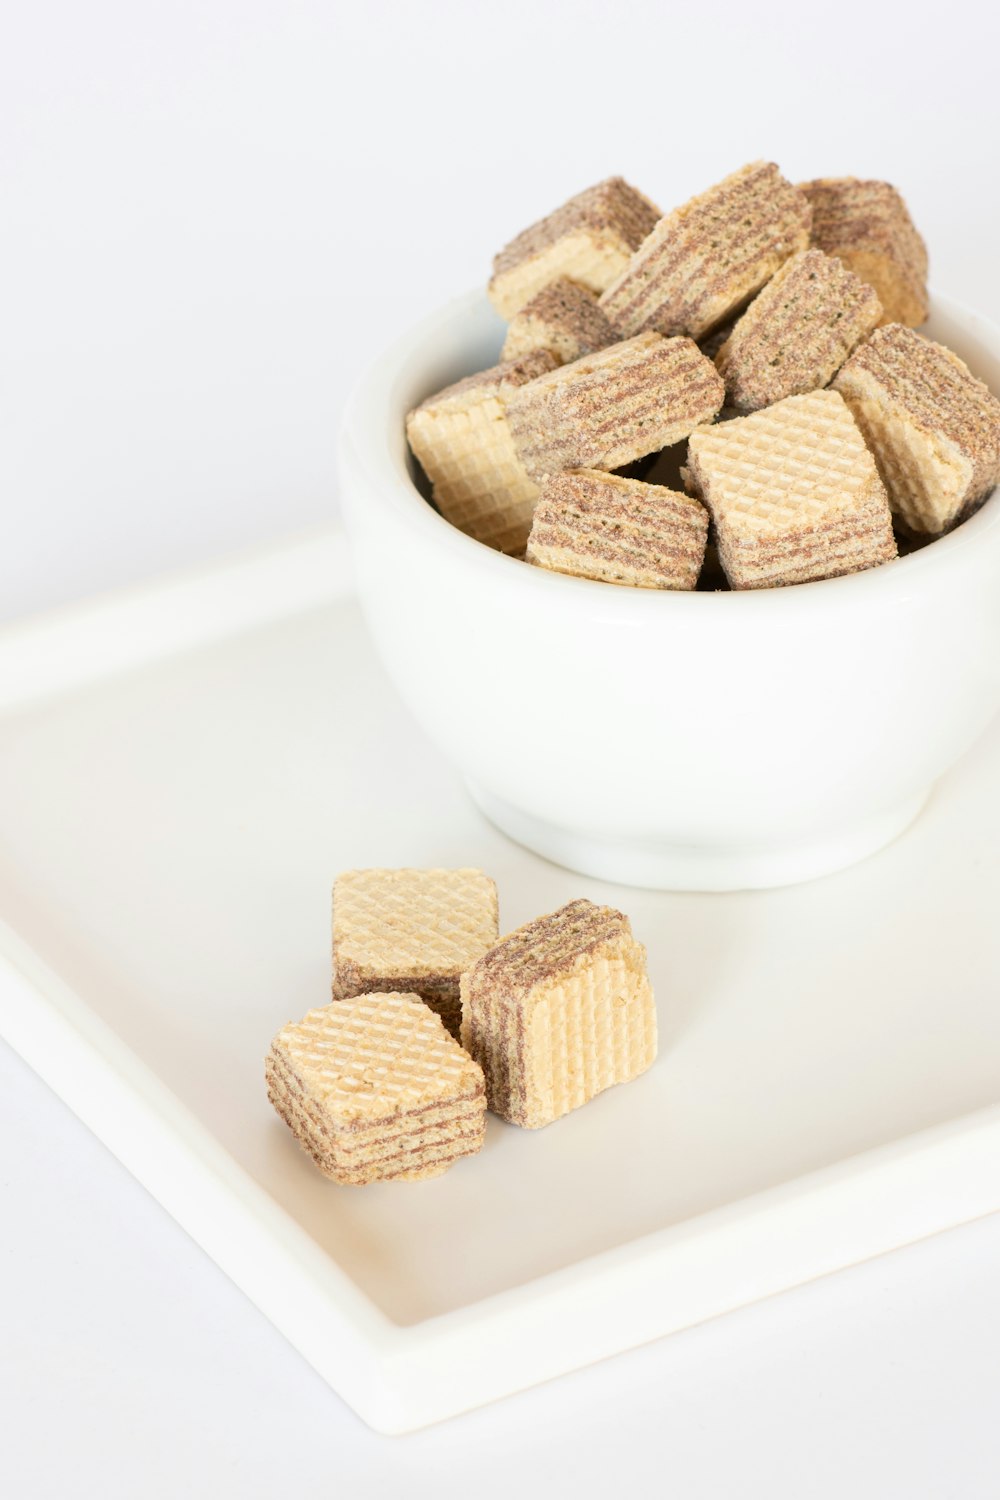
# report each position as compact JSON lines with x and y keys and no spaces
{"x":400,"y":1377}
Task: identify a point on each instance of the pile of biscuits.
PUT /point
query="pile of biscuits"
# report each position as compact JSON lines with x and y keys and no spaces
{"x":728,"y":395}
{"x":435,"y":1018}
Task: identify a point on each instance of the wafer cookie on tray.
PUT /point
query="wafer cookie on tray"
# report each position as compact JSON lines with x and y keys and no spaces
{"x":563,"y":318}
{"x":558,"y":1011}
{"x":412,"y":930}
{"x":612,"y":407}
{"x":797,"y":332}
{"x":794,"y":493}
{"x":600,"y":526}
{"x":868,"y":226}
{"x":376,"y":1090}
{"x":462,"y":442}
{"x":933,"y":427}
{"x":589,"y":239}
{"x":702,"y":262}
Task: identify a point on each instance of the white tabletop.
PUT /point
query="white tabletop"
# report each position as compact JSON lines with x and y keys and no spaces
{"x":218,"y":211}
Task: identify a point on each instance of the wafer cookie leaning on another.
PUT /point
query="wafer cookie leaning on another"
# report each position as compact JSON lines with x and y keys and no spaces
{"x":564,"y":319}
{"x":702,"y":262}
{"x":588,"y":239}
{"x":412,"y":930}
{"x":375,"y":1090}
{"x":868,"y":226}
{"x":558,"y":1011}
{"x":794,"y":493}
{"x":615,"y":530}
{"x":462,"y":442}
{"x":933,"y":427}
{"x":610,"y":408}
{"x":797,"y":332}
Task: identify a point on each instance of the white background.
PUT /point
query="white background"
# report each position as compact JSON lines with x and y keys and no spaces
{"x":211,"y":215}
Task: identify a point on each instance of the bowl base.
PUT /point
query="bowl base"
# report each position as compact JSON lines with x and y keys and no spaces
{"x":685,"y":867}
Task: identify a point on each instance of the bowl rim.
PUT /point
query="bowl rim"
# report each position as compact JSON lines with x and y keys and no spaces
{"x":372,"y":440}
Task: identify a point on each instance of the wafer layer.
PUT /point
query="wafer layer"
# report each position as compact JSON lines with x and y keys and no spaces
{"x":558,"y":1011}
{"x":599,"y":526}
{"x":868,"y":226}
{"x":375,"y":1089}
{"x":794,"y":493}
{"x":613,"y":407}
{"x":462,"y":442}
{"x":563,"y":318}
{"x":412,"y":930}
{"x":588,"y":239}
{"x":704,"y":260}
{"x":933,"y":427}
{"x":797,"y":332}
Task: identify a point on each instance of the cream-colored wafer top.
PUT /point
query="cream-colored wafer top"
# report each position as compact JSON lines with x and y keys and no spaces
{"x":413,"y":923}
{"x":375,"y":1056}
{"x":791,"y":466}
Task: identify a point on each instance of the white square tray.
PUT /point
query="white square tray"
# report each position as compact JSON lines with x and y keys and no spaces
{"x":183,"y":770}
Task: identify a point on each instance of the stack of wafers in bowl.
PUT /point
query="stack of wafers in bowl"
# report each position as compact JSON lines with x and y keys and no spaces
{"x":729,"y":395}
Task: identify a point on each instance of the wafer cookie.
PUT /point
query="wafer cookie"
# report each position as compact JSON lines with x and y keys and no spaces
{"x":588,"y":239}
{"x":868,"y":226}
{"x":706,"y":259}
{"x":376,"y":1090}
{"x":558,"y":1011}
{"x":615,"y":530}
{"x":412,"y":930}
{"x":462,"y":442}
{"x":612,"y":407}
{"x":794,"y":493}
{"x":933,"y":427}
{"x":563,"y":318}
{"x":797,"y":332}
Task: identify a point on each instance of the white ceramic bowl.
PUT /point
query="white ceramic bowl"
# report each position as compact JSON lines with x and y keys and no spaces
{"x":678,"y":740}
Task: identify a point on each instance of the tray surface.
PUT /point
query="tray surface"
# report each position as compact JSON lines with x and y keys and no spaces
{"x":168,"y":838}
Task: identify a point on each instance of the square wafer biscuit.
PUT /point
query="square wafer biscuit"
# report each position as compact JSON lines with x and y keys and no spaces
{"x":797,"y":332}
{"x":376,"y":1090}
{"x":933,"y":427}
{"x":589,"y":239}
{"x":413,"y":930}
{"x":558,"y":1011}
{"x":464,"y":446}
{"x":615,"y":530}
{"x":794,"y":493}
{"x":563,"y":318}
{"x":868,"y":226}
{"x":706,"y":259}
{"x":612,"y":407}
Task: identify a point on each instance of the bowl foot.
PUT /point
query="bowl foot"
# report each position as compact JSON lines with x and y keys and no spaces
{"x":687,"y":867}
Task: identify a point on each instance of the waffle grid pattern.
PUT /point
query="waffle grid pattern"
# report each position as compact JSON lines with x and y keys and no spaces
{"x":478,"y":480}
{"x":794,"y":493}
{"x":550,"y":1041}
{"x":372,"y":1056}
{"x":374,"y":1088}
{"x":596,"y":1029}
{"x":415,"y":922}
{"x":933,"y":427}
{"x":928,"y":481}
{"x":419,"y":1149}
